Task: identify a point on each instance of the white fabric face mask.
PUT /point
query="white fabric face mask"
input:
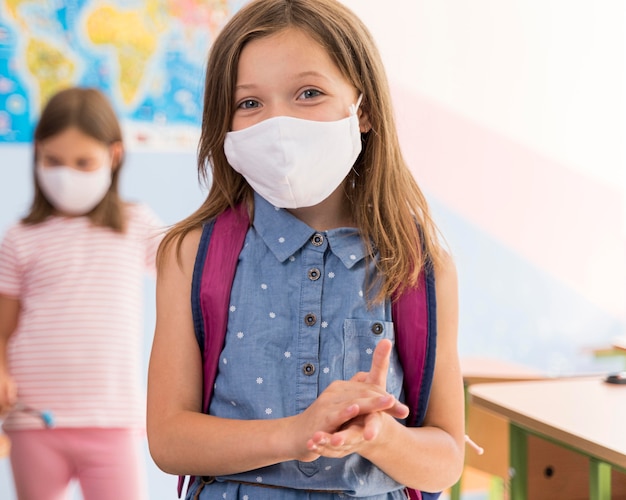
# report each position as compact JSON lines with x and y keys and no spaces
{"x":71,"y":191}
{"x":292,"y":162}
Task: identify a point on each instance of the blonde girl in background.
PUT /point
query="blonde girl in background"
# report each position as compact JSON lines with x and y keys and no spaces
{"x":71,"y":286}
{"x":308,"y":401}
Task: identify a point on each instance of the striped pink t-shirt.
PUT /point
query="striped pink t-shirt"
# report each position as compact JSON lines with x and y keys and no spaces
{"x":77,"y":350}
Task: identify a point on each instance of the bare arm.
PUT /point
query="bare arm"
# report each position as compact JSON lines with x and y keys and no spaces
{"x":429,"y":458}
{"x":9,"y":314}
{"x":183,"y":440}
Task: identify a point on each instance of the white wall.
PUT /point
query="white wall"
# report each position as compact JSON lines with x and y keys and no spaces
{"x":513,"y":116}
{"x":546,"y":73}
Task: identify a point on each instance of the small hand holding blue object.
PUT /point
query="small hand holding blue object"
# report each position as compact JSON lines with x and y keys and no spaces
{"x":45,"y":415}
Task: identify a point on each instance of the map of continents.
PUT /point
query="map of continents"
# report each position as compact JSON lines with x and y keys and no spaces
{"x":148,"y":56}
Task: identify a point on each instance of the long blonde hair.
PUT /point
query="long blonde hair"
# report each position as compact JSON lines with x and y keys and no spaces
{"x":387,"y":204}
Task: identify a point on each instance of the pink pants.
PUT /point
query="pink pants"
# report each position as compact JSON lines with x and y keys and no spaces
{"x":108,"y":463}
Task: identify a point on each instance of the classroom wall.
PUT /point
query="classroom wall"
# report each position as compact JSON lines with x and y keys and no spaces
{"x":512,"y":117}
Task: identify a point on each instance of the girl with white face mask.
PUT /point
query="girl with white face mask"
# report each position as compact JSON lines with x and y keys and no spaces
{"x":308,"y":398}
{"x":74,"y":171}
{"x":71,"y":281}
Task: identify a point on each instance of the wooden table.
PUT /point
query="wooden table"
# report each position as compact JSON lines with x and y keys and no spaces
{"x":585,"y":415}
{"x":478,"y":370}
{"x":488,"y":430}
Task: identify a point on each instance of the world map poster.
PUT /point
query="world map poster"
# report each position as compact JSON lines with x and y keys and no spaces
{"x":147,"y":56}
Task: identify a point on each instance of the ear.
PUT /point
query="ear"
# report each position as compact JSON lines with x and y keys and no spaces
{"x":364,"y":119}
{"x":116,"y":150}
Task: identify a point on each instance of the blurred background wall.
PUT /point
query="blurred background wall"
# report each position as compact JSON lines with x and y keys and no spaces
{"x":511,"y":114}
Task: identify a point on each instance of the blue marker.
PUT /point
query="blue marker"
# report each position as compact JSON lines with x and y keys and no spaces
{"x":47,"y":417}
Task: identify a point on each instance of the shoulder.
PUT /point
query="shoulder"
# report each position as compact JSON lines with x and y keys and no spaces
{"x":144,"y":225}
{"x":189,"y":243}
{"x":12,"y":231}
{"x":143,"y":214}
{"x":446,"y":293}
{"x":444,"y":269}
{"x":10,"y":242}
{"x":20,"y":232}
{"x":446,"y":280}
{"x":178,"y":251}
{"x":175,"y":270}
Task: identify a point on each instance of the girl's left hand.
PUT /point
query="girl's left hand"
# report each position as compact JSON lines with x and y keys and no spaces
{"x":360,"y":431}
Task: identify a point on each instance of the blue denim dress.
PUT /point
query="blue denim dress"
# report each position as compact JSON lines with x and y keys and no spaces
{"x":298,"y":320}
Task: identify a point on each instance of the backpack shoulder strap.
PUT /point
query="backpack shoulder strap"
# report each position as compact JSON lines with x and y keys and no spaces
{"x":415,"y":323}
{"x":217,"y":275}
{"x":214,"y":270}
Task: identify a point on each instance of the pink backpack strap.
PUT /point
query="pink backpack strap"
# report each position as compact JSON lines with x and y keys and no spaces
{"x":415,"y":323}
{"x":217,"y":280}
{"x":213,"y":276}
{"x":414,"y":318}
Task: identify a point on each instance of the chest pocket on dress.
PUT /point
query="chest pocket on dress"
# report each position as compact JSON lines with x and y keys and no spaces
{"x":360,"y":339}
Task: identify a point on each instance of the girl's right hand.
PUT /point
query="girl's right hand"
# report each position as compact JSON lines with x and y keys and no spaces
{"x":8,"y":393}
{"x":9,"y":315}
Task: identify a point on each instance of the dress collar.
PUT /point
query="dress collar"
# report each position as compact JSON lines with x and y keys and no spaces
{"x":285,"y":234}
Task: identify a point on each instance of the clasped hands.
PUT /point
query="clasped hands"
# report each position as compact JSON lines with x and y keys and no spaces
{"x":350,"y":414}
